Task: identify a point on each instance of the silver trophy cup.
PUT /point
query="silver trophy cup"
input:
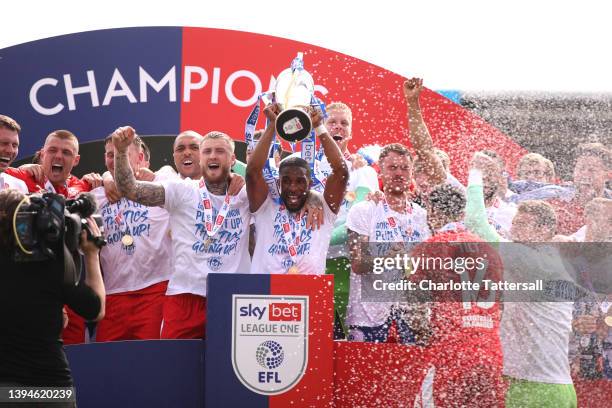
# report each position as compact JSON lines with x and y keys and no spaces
{"x":294,"y":89}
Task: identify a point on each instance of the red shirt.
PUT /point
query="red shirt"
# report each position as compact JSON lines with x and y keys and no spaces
{"x":570,"y":216}
{"x":462,"y":320}
{"x":70,"y":189}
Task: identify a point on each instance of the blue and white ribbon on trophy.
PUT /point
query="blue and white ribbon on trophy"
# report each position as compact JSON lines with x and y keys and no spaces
{"x":309,"y":150}
{"x":270,"y":172}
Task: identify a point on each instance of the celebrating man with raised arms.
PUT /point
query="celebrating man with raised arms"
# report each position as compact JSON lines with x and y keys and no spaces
{"x":209,"y":227}
{"x":284,"y":244}
{"x":136,"y":261}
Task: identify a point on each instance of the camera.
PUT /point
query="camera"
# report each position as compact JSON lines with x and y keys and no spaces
{"x":49,"y":226}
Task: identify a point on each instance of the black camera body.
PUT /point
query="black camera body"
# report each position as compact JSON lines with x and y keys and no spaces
{"x":49,"y":227}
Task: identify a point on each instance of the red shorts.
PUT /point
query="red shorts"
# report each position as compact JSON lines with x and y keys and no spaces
{"x":74,"y":333}
{"x":184,"y":317}
{"x":134,"y":315}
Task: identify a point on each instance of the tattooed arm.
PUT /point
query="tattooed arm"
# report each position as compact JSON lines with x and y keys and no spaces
{"x":143,"y":192}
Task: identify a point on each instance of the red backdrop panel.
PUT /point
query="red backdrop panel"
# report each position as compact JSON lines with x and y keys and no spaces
{"x":373,"y":93}
{"x":316,"y":387}
{"x":377,"y":375}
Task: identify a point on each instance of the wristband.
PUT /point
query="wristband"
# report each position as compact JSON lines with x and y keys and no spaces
{"x":319,"y":130}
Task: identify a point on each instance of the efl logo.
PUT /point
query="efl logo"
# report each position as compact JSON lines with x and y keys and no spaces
{"x":391,"y":222}
{"x":274,"y":330}
{"x":207,"y":204}
{"x":286,"y":228}
{"x":285,"y":312}
{"x":220,"y":219}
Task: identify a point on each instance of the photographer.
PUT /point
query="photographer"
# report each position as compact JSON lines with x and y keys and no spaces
{"x":32,"y":295}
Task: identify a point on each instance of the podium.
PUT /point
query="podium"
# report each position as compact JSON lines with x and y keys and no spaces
{"x":269,"y":341}
{"x":262,"y":369}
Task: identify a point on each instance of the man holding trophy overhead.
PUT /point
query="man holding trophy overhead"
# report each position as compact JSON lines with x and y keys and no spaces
{"x":284,"y":244}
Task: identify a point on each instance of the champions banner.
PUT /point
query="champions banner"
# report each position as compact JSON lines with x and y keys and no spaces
{"x":269,"y":341}
{"x":163,"y":80}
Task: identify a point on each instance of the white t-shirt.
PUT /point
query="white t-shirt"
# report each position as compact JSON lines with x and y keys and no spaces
{"x":368,"y":218}
{"x":500,"y":216}
{"x":364,"y":176}
{"x":195,"y":256}
{"x":580,"y":235}
{"x":535,"y":335}
{"x":452,"y":180}
{"x":9,"y":182}
{"x":149,"y":260}
{"x":271,"y":252}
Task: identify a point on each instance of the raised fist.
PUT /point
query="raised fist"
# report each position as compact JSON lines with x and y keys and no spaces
{"x":316,"y":116}
{"x":412,"y":89}
{"x":271,"y":111}
{"x":123,"y":137}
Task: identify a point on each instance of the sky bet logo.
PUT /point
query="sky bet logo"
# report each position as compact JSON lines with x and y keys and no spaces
{"x":277,"y":312}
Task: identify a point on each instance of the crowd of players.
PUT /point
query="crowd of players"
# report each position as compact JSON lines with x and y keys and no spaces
{"x":167,"y":230}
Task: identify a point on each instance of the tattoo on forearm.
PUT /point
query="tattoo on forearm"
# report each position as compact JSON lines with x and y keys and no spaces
{"x":149,"y":194}
{"x":124,"y":178}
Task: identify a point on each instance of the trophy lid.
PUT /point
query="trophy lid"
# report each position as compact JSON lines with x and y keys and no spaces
{"x":294,"y":88}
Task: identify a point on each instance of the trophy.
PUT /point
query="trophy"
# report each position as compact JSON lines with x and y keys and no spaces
{"x":293,"y":91}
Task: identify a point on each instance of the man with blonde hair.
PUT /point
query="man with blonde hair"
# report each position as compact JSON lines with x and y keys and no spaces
{"x":535,"y":168}
{"x":209,"y":227}
{"x":362,"y":180}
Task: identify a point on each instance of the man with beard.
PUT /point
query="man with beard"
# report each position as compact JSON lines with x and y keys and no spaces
{"x":9,"y":149}
{"x":136,"y":260}
{"x":370,"y":221}
{"x":284,"y":244}
{"x":394,"y":219}
{"x":592,"y":170}
{"x":209,"y":227}
{"x":186,"y":154}
{"x":187,"y":158}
